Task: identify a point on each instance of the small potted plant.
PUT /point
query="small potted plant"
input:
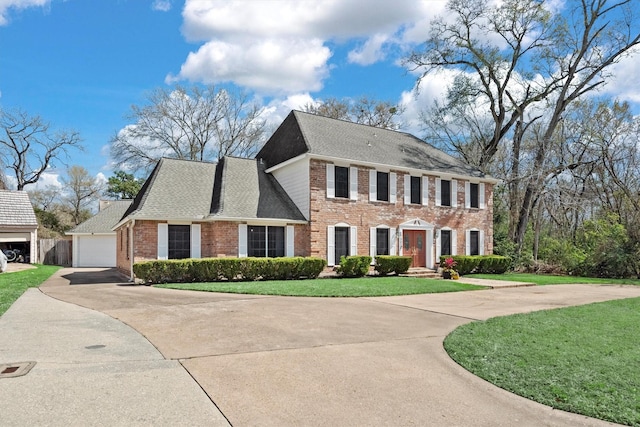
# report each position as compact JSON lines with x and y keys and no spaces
{"x":448,"y":268}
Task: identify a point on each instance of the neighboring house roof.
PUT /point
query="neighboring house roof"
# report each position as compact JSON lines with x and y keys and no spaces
{"x":231,"y":189}
{"x":303,"y":133}
{"x":103,"y":221}
{"x":246,"y":191}
{"x":16,"y":210}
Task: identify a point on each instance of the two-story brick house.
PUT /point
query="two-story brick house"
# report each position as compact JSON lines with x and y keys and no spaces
{"x":319,"y":187}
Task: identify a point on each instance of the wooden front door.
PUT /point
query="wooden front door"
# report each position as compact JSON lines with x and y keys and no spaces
{"x":415,"y":244}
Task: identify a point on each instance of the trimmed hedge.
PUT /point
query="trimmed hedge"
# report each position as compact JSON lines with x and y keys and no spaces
{"x":354,"y":266}
{"x":467,"y":264}
{"x":386,"y":264}
{"x":225,"y":269}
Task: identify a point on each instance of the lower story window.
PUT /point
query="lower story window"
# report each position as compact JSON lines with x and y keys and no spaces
{"x":382,"y":241}
{"x":265,"y":241}
{"x":445,"y":242}
{"x":179,"y":241}
{"x":474,"y":243}
{"x":341,"y":242}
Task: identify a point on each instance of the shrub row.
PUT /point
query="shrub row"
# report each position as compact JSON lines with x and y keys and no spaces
{"x":221,"y":269}
{"x":386,"y":264}
{"x":467,"y":264}
{"x":354,"y":266}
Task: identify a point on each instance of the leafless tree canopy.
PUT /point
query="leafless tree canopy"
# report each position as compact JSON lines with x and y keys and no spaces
{"x":28,"y":145}
{"x":520,"y":66}
{"x":382,"y":114}
{"x":189,"y":123}
{"x":81,"y":189}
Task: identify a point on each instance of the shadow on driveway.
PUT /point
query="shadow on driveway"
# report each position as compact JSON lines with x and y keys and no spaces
{"x":95,"y":277}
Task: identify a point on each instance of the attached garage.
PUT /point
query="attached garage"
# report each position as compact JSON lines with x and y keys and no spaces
{"x":94,"y":243}
{"x":18,"y":224}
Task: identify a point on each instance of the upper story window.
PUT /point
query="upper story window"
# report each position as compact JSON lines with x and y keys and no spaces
{"x":416,"y":190}
{"x":342,"y":182}
{"x":446,"y":192}
{"x":382,"y":182}
{"x":382,"y":186}
{"x":474,"y":195}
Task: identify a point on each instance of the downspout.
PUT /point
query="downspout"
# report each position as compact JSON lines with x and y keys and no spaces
{"x":131,"y":246}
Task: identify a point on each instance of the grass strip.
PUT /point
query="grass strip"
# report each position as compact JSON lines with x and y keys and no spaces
{"x":542,"y":279}
{"x":12,"y":285}
{"x":579,"y":359}
{"x":360,"y":287}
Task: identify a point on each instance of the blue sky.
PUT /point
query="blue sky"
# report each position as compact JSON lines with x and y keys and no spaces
{"x":81,"y":64}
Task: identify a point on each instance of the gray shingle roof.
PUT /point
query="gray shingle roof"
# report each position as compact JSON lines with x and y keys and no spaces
{"x":247,"y":192}
{"x":308,"y":133}
{"x":16,"y":210}
{"x":176,"y":189}
{"x":103,"y":221}
{"x":190,"y":190}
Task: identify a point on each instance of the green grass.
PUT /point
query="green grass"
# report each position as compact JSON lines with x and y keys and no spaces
{"x":12,"y":285}
{"x":582,"y":359}
{"x":362,"y":287}
{"x":542,"y":279}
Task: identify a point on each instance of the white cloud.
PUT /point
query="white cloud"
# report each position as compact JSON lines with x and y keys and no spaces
{"x":624,"y":82}
{"x":7,"y":5}
{"x":161,"y":5}
{"x":283,"y":47}
{"x":431,"y":87}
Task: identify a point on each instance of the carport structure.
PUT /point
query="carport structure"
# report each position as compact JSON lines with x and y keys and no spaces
{"x":18,"y":224}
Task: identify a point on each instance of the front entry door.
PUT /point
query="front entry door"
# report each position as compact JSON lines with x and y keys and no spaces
{"x":415,"y":247}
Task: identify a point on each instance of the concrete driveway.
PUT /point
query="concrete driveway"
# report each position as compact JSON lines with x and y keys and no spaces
{"x":266,"y":360}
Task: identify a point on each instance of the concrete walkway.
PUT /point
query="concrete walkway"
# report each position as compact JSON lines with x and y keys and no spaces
{"x":262,"y":360}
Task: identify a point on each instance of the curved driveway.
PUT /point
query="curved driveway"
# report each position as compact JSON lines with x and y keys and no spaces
{"x":266,"y":360}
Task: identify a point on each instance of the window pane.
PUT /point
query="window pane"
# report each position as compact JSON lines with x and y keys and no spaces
{"x":445,"y":242}
{"x":382,"y":241}
{"x":474,"y":246}
{"x":342,"y":181}
{"x":276,"y":241}
{"x":179,"y":241}
{"x":474,"y":195}
{"x":342,"y":242}
{"x":256,"y":241}
{"x":445,"y":192}
{"x":383,"y":186}
{"x":416,"y":191}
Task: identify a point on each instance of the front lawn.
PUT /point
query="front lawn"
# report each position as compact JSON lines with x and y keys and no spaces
{"x":12,"y":285}
{"x":362,"y":287}
{"x":580,"y":359}
{"x":542,"y":279}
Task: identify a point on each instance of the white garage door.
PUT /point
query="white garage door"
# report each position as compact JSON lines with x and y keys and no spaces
{"x":96,"y":251}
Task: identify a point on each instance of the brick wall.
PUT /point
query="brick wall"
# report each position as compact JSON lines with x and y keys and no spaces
{"x":365,"y":214}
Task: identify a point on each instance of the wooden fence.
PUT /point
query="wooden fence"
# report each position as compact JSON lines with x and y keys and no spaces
{"x":55,"y":252}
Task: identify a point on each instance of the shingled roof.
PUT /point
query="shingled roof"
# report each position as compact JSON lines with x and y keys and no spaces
{"x":16,"y":210}
{"x":103,"y":221}
{"x":302,"y":133}
{"x":234,"y":188}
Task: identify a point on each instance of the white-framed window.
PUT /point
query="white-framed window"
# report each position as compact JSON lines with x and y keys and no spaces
{"x":474,"y":195}
{"x":446,"y":242}
{"x":382,"y":186}
{"x":178,"y":241}
{"x":342,"y":182}
{"x":416,"y":190}
{"x":265,"y":241}
{"x":446,"y":192}
{"x":382,"y":241}
{"x":474,"y":242}
{"x":342,"y":240}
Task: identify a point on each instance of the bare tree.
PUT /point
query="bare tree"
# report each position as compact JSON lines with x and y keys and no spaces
{"x":28,"y":146}
{"x":368,"y":111}
{"x":189,"y":123}
{"x":523,"y":64}
{"x":81,"y":190}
